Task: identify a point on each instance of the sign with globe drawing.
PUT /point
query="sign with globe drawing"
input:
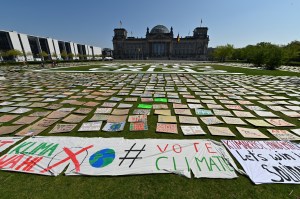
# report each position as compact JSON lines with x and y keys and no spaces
{"x":118,"y":156}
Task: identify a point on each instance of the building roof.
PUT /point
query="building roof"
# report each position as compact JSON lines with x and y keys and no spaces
{"x":159,"y":29}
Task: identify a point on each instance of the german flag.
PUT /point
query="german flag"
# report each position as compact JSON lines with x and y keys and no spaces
{"x":178,"y":38}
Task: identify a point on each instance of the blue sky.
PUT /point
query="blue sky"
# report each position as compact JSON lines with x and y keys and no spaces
{"x":237,"y":22}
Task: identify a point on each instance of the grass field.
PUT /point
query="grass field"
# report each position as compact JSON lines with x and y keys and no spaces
{"x":20,"y":185}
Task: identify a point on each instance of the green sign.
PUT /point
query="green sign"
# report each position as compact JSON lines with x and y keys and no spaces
{"x":148,"y":106}
{"x":160,"y":99}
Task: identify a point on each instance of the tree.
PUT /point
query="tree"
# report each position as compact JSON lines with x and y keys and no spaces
{"x":80,"y":56}
{"x":2,"y":54}
{"x":85,"y":56}
{"x":54,"y":55}
{"x":71,"y":55}
{"x":64,"y":54}
{"x":43,"y":55}
{"x":274,"y":57}
{"x":222,"y":53}
{"x":238,"y":54}
{"x":255,"y":54}
{"x":28,"y":54}
{"x":264,"y":54}
{"x":291,"y":52}
{"x":13,"y":53}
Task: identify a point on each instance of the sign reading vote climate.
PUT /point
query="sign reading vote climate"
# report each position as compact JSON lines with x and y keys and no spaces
{"x":267,"y":161}
{"x":118,"y":156}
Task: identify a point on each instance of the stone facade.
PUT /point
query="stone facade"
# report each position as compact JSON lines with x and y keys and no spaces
{"x":160,"y":43}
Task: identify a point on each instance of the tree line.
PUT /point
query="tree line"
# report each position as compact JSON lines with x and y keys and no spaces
{"x":263,"y":54}
{"x":13,"y":54}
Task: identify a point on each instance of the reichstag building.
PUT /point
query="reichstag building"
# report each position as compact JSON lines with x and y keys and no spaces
{"x":160,"y":43}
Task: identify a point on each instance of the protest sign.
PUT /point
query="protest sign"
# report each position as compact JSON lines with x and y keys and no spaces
{"x":267,"y":161}
{"x":6,"y":142}
{"x":117,"y":156}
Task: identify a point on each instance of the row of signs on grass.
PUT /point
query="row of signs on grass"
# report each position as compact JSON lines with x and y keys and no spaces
{"x":262,"y":161}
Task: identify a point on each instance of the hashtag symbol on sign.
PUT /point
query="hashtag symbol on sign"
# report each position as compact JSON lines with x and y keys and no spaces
{"x":133,"y":158}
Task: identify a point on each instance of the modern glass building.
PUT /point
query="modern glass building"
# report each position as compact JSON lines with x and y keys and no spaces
{"x":34,"y":47}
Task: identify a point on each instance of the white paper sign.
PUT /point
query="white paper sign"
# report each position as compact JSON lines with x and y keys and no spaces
{"x":118,"y":156}
{"x":6,"y":142}
{"x":267,"y":161}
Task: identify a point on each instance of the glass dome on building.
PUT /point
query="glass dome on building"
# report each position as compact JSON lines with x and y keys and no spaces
{"x":159,"y":29}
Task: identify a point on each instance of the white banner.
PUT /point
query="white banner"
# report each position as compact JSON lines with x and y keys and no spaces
{"x":6,"y":142}
{"x":267,"y":161}
{"x":117,"y":156}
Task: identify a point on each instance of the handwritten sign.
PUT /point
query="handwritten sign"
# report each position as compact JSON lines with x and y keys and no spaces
{"x":267,"y":161}
{"x":118,"y":156}
{"x":6,"y":142}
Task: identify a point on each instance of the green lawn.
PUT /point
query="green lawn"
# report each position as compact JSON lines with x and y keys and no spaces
{"x":20,"y":185}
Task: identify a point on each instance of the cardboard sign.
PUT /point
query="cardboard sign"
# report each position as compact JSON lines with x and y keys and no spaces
{"x":63,"y":128}
{"x":116,"y":118}
{"x":26,"y":120}
{"x":21,"y":110}
{"x":7,"y":118}
{"x":251,"y":133}
{"x":137,"y":118}
{"x":91,"y":104}
{"x":179,"y":106}
{"x":203,"y":112}
{"x":192,"y":130}
{"x":9,"y":129}
{"x":283,"y":134}
{"x":109,"y":104}
{"x":222,"y":112}
{"x":188,"y":120}
{"x":58,"y":114}
{"x":84,"y":111}
{"x":138,"y":126}
{"x":183,"y":112}
{"x":40,"y":114}
{"x":243,"y":114}
{"x":103,"y":110}
{"x":259,"y":123}
{"x":296,"y":131}
{"x":90,"y":126}
{"x":233,"y":120}
{"x":142,"y":111}
{"x":161,"y":100}
{"x":160,"y":106}
{"x":167,"y":119}
{"x":265,"y":114}
{"x":31,"y":131}
{"x":166,"y":128}
{"x":279,"y":122}
{"x":166,"y":112}
{"x":7,"y":109}
{"x":75,"y":119}
{"x":112,"y":127}
{"x":146,"y":106}
{"x":99,"y":117}
{"x":220,"y":131}
{"x":122,"y":105}
{"x":120,"y":112}
{"x":211,"y":120}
